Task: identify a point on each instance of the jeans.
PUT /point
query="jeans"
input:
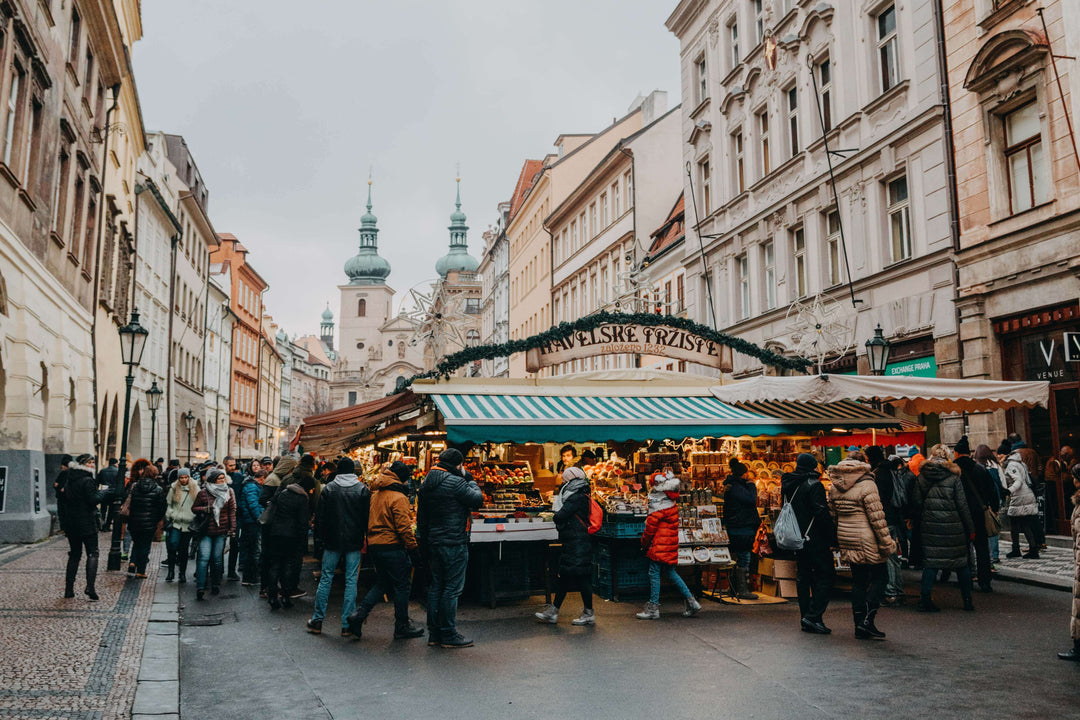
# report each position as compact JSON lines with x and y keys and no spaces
{"x":566,"y":583}
{"x":895,"y":587}
{"x":393,"y":574}
{"x":655,"y":570}
{"x":212,"y":554}
{"x":326,"y":579}
{"x":867,"y":587}
{"x":814,"y":579}
{"x":448,"y":564}
{"x":177,"y":543}
{"x":995,"y":545}
{"x":75,"y":551}
{"x":126,"y":542}
{"x":249,"y":552}
{"x":963,"y":574}
{"x":140,"y":550}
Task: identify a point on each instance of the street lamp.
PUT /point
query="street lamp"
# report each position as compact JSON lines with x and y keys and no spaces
{"x":189,"y":422}
{"x":132,"y":342}
{"x":153,"y":401}
{"x":877,"y":352}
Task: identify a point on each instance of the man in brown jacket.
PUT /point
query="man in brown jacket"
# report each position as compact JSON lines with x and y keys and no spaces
{"x":393,"y":548}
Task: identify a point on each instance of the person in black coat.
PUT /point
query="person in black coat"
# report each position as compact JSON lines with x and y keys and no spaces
{"x":148,"y":506}
{"x":741,"y":520}
{"x":575,"y":560}
{"x":980,"y":493}
{"x":79,"y":521}
{"x":894,"y":518}
{"x":814,"y":563}
{"x":288,"y":523}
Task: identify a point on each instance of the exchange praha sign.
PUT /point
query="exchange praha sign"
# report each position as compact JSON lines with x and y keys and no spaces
{"x":621,"y":338}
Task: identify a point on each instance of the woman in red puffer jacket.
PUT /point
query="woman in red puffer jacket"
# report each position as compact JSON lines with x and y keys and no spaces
{"x":661,"y":541}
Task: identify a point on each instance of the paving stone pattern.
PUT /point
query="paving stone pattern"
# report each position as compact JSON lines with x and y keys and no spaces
{"x":1055,"y":567}
{"x":69,"y":659}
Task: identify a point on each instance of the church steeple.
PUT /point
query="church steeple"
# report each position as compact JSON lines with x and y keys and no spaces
{"x":458,"y":259}
{"x":326,"y":327}
{"x":367,"y":267}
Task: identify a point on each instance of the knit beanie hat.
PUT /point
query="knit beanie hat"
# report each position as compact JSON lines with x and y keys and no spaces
{"x":346,"y":466}
{"x":308,"y":462}
{"x":451,"y":457}
{"x":737,"y":468}
{"x":403,"y":471}
{"x":806,"y":461}
{"x":962,"y":447}
{"x":183,"y":472}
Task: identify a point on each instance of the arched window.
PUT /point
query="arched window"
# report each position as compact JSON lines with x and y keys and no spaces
{"x":472,"y":338}
{"x":361,"y":308}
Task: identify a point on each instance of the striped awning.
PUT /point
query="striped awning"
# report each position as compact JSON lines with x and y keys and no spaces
{"x":846,"y":414}
{"x":482,"y":418}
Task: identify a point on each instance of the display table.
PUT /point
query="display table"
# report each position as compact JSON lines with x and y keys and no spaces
{"x":509,"y":558}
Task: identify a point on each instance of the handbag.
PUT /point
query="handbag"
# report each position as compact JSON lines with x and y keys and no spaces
{"x":993,"y":525}
{"x":200,"y":524}
{"x":125,"y":509}
{"x":267,"y":515}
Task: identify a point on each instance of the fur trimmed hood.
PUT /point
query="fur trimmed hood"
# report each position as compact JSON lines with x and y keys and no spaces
{"x":846,"y":473}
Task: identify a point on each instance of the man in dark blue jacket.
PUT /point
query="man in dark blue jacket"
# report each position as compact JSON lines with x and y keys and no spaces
{"x":248,"y":510}
{"x":444,"y":503}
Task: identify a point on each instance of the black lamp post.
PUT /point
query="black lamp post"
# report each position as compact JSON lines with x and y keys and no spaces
{"x":189,"y":422}
{"x":877,"y":352}
{"x":153,"y":401}
{"x":132,"y":342}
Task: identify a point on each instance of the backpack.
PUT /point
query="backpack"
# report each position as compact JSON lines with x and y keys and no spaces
{"x":786,"y":531}
{"x":596,"y":517}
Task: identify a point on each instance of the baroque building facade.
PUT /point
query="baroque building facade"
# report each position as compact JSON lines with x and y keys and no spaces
{"x":762,"y":93}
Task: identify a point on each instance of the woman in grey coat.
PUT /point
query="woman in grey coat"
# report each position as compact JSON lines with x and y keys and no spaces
{"x":946,"y":525}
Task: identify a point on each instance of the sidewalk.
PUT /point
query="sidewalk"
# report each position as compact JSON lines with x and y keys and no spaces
{"x":1054,"y":568}
{"x":70,"y":659}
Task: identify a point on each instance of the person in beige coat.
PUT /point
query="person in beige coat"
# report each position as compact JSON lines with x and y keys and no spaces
{"x":1074,"y":622}
{"x":864,"y":540}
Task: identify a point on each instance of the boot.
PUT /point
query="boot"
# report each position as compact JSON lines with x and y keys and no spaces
{"x":550,"y":615}
{"x":355,"y":621}
{"x":742,"y":587}
{"x":171,"y":576}
{"x":868,"y":625}
{"x":91,"y":577}
{"x":586,"y":618}
{"x":926,"y":604}
{"x":651,"y":612}
{"x":408,"y":631}
{"x":692,"y":607}
{"x":1074,"y":654}
{"x":69,"y":576}
{"x":861,"y":633}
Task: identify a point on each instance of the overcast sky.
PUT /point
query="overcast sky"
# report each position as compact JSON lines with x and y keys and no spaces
{"x":286,"y":105}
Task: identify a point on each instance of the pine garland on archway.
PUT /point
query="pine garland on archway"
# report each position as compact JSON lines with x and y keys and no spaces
{"x":455,"y":361}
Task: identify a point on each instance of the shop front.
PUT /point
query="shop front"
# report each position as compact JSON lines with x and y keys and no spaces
{"x":1045,"y":346}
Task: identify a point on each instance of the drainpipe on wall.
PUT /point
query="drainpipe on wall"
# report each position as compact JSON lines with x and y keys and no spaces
{"x":171,"y":382}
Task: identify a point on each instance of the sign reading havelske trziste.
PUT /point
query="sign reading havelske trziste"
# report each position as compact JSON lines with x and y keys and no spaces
{"x":622,"y":338}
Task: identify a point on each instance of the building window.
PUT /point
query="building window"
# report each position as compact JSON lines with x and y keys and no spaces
{"x":628,"y":190}
{"x":88,"y":238}
{"x":701,"y":80}
{"x":1024,"y":159}
{"x":74,"y":37}
{"x":793,"y":119}
{"x":824,"y":70}
{"x":759,"y":21}
{"x":592,"y":221}
{"x":14,"y":113}
{"x":680,"y":294}
{"x":705,"y":180}
{"x":798,"y":252}
{"x":603,"y":210}
{"x":667,"y":297}
{"x":832,"y":246}
{"x":763,"y":141}
{"x":887,"y":44}
{"x":744,"y":286}
{"x":768,"y":254}
{"x":361,"y":308}
{"x":737,"y":156}
{"x":472,"y":338}
{"x":574,"y":242}
{"x":615,"y":212}
{"x":352,"y":397}
{"x":899,"y":220}
{"x":733,"y":41}
{"x":472,"y":306}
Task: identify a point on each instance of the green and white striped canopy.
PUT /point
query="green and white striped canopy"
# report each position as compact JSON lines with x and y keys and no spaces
{"x":546,"y":418}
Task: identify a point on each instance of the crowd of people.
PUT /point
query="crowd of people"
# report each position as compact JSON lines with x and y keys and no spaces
{"x":939,"y":514}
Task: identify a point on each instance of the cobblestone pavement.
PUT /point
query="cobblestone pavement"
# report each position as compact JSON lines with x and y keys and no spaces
{"x":69,"y":659}
{"x":1055,"y":567}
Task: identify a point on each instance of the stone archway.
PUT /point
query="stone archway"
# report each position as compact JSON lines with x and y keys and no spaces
{"x":135,"y":445}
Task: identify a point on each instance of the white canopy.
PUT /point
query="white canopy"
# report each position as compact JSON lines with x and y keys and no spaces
{"x":913,"y":395}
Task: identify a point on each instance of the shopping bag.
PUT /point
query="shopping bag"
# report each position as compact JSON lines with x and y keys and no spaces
{"x":993,"y":525}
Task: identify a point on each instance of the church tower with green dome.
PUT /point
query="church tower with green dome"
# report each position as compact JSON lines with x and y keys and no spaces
{"x":458,"y":259}
{"x":367,"y":267}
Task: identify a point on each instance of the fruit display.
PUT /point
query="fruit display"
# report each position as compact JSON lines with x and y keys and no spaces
{"x":489,"y":473}
{"x":610,"y":473}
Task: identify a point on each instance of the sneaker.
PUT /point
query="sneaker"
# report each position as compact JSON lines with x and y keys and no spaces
{"x":408,"y":632}
{"x":1014,"y":554}
{"x":1033,"y":555}
{"x":91,"y":595}
{"x":433,"y":638}
{"x":550,"y":615}
{"x":692,"y":607}
{"x":455,"y":641}
{"x":651,"y":612}
{"x":298,"y":593}
{"x":346,"y":633}
{"x":141,"y":575}
{"x":124,"y":556}
{"x":131,"y":568}
{"x":315,"y":627}
{"x":587,"y":617}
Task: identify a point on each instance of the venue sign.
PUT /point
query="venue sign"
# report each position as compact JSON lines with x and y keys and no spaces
{"x":627,"y":338}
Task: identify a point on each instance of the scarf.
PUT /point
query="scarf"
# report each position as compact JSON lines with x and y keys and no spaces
{"x":220,"y":493}
{"x":574,"y":481}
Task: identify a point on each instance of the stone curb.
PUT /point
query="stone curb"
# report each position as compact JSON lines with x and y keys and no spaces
{"x":1026,"y":577}
{"x":157,"y":695}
